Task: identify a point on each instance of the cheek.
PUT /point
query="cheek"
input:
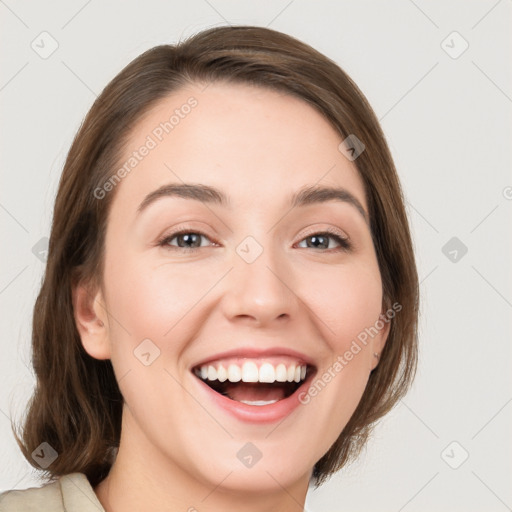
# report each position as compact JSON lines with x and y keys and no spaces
{"x":346,"y":300}
{"x":163,"y":303}
{"x":347,"y":312}
{"x":348,"y":303}
{"x":149,"y":299}
{"x":155,"y":303}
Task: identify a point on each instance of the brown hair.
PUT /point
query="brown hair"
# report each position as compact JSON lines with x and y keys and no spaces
{"x":76,"y":406}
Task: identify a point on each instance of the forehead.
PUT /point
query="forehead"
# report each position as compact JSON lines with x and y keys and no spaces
{"x":250,"y":142}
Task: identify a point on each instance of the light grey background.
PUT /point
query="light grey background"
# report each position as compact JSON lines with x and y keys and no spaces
{"x":447,"y":121}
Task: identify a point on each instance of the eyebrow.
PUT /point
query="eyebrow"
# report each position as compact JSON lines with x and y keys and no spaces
{"x":207,"y":194}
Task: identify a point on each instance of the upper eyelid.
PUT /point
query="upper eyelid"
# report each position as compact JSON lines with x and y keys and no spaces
{"x":310,"y":229}
{"x":330,"y":231}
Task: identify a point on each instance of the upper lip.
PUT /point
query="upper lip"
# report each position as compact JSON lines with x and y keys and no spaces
{"x":254,"y":353}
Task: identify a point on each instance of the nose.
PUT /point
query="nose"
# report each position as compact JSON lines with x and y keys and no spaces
{"x":260,"y":293}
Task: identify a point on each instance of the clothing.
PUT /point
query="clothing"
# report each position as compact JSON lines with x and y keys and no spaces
{"x":70,"y":493}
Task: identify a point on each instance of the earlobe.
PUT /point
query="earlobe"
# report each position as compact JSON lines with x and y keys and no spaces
{"x":91,"y":321}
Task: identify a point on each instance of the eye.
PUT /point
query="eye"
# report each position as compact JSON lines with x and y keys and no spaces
{"x":322,"y":240}
{"x":187,"y":240}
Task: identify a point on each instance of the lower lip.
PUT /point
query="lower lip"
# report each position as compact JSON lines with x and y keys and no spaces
{"x":256,"y":413}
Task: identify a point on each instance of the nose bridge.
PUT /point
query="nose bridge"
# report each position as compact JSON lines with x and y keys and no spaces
{"x":257,"y":287}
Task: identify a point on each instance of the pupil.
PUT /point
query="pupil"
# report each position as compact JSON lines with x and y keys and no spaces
{"x":193,"y":237}
{"x":315,"y":239}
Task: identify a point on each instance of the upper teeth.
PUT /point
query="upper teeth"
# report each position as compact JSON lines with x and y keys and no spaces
{"x":249,"y":372}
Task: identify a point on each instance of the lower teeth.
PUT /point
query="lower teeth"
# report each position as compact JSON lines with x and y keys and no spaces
{"x":258,"y":402}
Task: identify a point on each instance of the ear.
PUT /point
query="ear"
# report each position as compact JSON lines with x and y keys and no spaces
{"x":380,"y":340}
{"x":91,"y":320}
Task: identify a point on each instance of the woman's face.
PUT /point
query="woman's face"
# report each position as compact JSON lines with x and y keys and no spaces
{"x":253,"y":288}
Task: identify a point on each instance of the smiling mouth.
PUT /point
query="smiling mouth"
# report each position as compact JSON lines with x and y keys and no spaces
{"x":256,"y":392}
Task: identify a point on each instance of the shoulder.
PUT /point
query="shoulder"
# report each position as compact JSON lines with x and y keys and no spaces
{"x":70,"y":493}
{"x":28,"y":500}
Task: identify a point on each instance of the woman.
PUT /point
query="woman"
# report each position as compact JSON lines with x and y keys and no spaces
{"x":230,"y":300}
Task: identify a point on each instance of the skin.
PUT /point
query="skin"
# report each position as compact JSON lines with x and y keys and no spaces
{"x":258,"y":146}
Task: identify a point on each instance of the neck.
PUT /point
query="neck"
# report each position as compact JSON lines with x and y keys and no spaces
{"x":142,"y":479}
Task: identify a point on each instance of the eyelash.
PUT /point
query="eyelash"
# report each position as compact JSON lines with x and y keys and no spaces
{"x":344,"y":244}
